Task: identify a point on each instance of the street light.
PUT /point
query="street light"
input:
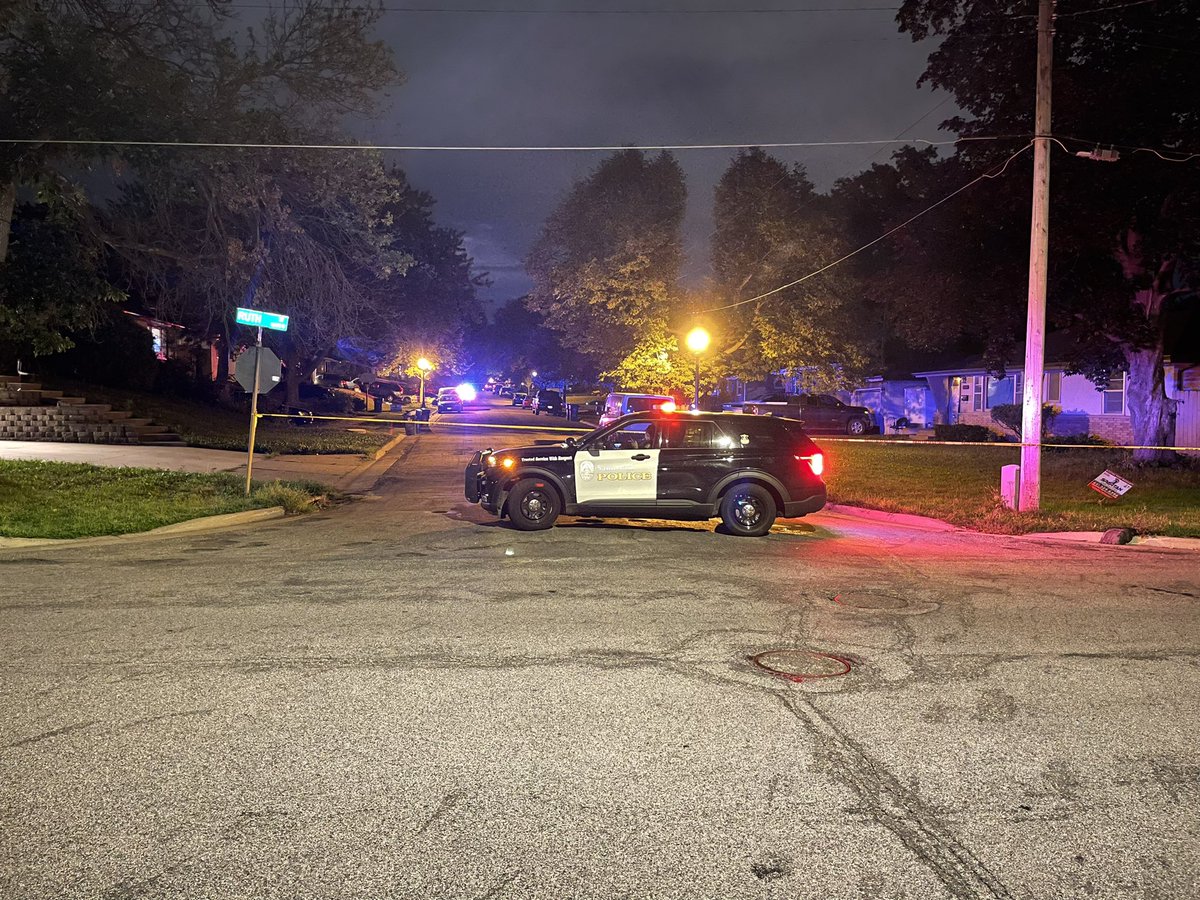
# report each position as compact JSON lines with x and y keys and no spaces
{"x":697,"y":341}
{"x":424,"y":366}
{"x":532,"y":375}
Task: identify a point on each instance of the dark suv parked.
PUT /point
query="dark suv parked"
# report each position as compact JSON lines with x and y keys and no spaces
{"x":549,"y":402}
{"x":817,"y":412}
{"x":745,"y":469}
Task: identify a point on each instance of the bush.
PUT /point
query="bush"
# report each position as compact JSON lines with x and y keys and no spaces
{"x":976,"y":434}
{"x":1089,"y":440}
{"x":1009,"y":416}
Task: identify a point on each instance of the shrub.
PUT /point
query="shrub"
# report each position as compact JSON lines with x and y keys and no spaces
{"x":1090,"y":440}
{"x":978,"y":434}
{"x":1009,"y":415}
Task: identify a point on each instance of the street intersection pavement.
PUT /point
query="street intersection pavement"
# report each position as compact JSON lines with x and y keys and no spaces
{"x":401,"y":697}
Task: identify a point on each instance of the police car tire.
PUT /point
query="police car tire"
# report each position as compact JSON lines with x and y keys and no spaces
{"x":518,"y":518}
{"x":762,"y":498}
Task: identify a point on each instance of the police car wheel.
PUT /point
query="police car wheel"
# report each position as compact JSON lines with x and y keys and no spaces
{"x":748,"y":510}
{"x":533,"y":505}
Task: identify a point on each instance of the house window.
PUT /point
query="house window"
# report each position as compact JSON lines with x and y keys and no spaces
{"x":999,"y":391}
{"x":978,"y":391}
{"x":1114,"y":396}
{"x":1053,"y":391}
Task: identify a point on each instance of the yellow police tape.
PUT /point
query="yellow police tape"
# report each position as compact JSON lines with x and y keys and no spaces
{"x":891,"y":442}
{"x":443,"y":423}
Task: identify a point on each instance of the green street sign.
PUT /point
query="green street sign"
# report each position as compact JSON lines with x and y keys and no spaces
{"x":258,"y":319}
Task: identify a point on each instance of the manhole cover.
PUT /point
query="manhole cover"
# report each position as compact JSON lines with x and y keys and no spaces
{"x":864,"y":600}
{"x":801,"y":665}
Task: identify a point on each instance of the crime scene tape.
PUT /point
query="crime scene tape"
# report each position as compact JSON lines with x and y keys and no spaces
{"x":413,"y":423}
{"x":820,"y":438}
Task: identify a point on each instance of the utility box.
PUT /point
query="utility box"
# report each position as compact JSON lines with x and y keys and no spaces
{"x":1010,"y":485}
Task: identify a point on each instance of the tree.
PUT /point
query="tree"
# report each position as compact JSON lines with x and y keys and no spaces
{"x":1125,"y":238}
{"x":298,"y":232}
{"x":518,"y":342}
{"x":432,"y":305}
{"x":51,"y":285}
{"x":772,"y":228}
{"x":110,"y":70}
{"x":606,"y":266}
{"x":945,"y":281}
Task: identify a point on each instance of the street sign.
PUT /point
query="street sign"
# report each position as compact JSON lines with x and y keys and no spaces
{"x":259,"y":319}
{"x":1110,"y":484}
{"x":269,"y":371}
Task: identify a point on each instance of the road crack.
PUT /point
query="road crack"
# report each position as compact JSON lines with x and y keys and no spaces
{"x":898,"y":809}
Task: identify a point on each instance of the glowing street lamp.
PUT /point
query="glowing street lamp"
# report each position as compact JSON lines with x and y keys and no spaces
{"x":424,"y":366}
{"x":697,"y":341}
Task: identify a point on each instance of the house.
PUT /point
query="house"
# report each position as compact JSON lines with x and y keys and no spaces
{"x":897,"y":403}
{"x":967,"y":393}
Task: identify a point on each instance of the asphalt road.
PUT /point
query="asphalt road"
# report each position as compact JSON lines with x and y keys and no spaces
{"x":403,"y":698}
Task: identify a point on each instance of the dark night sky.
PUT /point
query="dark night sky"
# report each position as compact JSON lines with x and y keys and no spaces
{"x":568,"y":79}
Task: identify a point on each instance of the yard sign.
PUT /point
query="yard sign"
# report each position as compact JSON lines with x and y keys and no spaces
{"x":1110,"y":484}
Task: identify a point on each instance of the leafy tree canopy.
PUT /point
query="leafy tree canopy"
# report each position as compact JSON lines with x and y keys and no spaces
{"x":606,"y":267}
{"x":772,"y":227}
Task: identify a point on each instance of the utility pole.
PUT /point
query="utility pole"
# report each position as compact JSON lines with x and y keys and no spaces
{"x":1035,"y":322}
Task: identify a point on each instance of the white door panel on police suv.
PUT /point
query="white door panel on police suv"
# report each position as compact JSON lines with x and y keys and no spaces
{"x":616,"y":475}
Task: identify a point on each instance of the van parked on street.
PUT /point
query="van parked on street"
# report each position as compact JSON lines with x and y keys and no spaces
{"x":620,"y":404}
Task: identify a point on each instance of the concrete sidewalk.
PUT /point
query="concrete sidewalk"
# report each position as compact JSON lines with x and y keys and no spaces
{"x":341,"y":471}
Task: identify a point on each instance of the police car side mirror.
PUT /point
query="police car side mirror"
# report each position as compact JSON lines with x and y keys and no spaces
{"x":571,"y":444}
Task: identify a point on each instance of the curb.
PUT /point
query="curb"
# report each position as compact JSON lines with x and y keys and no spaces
{"x":1089,"y":538}
{"x":383,"y":451}
{"x":879,"y":515}
{"x":204,"y":523}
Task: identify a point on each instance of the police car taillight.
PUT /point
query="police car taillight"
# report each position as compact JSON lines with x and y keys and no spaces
{"x":816,"y":462}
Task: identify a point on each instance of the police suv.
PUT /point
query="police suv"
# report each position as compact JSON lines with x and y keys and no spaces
{"x":668,"y":465}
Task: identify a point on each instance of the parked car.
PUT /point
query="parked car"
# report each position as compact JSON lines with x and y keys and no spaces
{"x":527,"y":402}
{"x":506,"y":390}
{"x":518,"y":397}
{"x":382,"y":388}
{"x":550,"y":402}
{"x":620,"y":404}
{"x":338,"y":382}
{"x":818,"y":412}
{"x":448,"y":400}
{"x":669,"y":465}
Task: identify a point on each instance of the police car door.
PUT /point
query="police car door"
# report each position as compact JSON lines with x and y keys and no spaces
{"x":620,"y":469}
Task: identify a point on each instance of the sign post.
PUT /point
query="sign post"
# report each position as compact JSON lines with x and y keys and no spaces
{"x":259,"y":320}
{"x":253,"y":409}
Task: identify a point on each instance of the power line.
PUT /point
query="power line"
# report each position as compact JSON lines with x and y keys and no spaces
{"x":605,"y":148}
{"x":598,"y":11}
{"x":989,"y":174}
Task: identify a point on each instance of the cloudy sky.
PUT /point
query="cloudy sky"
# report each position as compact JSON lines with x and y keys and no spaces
{"x":584,"y":77}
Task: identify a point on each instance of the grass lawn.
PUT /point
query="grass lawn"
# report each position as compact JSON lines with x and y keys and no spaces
{"x":69,"y":500}
{"x":962,"y":485}
{"x":218,"y":428}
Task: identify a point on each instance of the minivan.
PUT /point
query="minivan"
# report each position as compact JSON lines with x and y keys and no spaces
{"x":617,"y":405}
